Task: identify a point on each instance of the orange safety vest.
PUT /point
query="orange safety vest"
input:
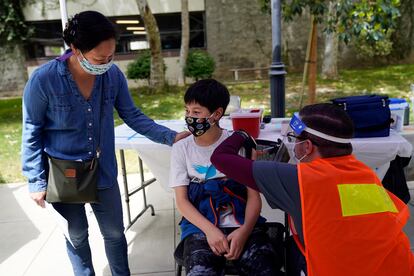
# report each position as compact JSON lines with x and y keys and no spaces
{"x":351,"y":224}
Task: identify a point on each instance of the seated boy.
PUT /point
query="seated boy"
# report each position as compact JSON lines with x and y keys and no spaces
{"x":220,"y":216}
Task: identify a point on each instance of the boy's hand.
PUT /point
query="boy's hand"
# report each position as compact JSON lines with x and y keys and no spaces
{"x":217,"y":242}
{"x":237,"y":240}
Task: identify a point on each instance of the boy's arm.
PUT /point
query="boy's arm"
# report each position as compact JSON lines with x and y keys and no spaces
{"x":215,"y":238}
{"x":253,"y":208}
{"x":239,"y":236}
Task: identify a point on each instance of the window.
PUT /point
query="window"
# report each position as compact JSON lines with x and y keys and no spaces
{"x":47,"y":39}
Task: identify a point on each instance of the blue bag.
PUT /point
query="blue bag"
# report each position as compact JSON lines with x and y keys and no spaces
{"x":370,"y":113}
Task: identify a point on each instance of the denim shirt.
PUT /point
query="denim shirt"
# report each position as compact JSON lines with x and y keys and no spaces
{"x":58,"y":121}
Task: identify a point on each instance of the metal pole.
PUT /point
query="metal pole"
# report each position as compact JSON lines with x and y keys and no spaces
{"x":277,"y":68}
{"x":64,"y":17}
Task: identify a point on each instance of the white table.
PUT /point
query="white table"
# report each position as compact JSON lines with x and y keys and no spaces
{"x":375,"y":152}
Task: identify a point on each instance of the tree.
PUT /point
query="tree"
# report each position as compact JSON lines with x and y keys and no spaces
{"x":330,"y":60}
{"x":157,"y":78}
{"x":368,"y":24}
{"x":14,"y":32}
{"x":200,"y":65}
{"x":140,"y":68}
{"x":185,"y":40}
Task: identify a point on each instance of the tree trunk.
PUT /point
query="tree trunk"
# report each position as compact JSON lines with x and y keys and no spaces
{"x":330,"y":57}
{"x":185,"y":40}
{"x":312,"y":64}
{"x":13,"y":72}
{"x":306,"y":65}
{"x":157,"y":78}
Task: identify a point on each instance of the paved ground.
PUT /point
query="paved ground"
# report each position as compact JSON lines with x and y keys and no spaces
{"x":32,"y":244}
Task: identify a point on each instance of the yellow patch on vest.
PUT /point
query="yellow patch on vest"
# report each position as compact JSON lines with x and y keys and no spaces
{"x":363,"y":199}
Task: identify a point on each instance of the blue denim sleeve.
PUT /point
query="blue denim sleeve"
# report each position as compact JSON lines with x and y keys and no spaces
{"x":137,"y":120}
{"x":34,"y":109}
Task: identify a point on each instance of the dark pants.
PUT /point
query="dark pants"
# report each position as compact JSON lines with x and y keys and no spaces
{"x":257,"y":258}
{"x":296,"y":262}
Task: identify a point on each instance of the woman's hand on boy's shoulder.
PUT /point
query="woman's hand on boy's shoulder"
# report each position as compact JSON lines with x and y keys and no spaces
{"x":181,"y":135}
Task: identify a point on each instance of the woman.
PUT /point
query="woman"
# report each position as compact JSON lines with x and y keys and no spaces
{"x":63,"y":103}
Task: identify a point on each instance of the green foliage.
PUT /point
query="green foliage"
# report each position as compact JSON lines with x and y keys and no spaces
{"x":200,"y":65}
{"x":140,"y":68}
{"x":368,"y":24}
{"x":12,"y":25}
{"x":168,"y":104}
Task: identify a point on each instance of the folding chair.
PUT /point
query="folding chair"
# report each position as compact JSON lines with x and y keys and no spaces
{"x":275,"y":151}
{"x":274,"y":230}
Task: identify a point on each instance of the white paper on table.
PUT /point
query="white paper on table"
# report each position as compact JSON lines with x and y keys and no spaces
{"x":60,"y":220}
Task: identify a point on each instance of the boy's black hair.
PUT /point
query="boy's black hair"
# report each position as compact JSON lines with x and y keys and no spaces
{"x":208,"y":93}
{"x":329,"y":119}
{"x":87,"y":29}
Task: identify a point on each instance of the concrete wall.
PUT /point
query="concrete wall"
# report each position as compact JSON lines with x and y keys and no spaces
{"x":238,"y":35}
{"x":13,"y":75}
{"x":49,"y":10}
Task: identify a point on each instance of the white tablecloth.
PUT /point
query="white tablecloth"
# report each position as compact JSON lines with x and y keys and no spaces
{"x":375,"y":152}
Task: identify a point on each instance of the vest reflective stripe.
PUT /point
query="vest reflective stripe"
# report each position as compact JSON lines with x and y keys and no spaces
{"x":363,"y":199}
{"x":346,"y":231}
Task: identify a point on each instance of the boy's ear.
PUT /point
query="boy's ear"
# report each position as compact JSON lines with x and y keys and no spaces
{"x":219,"y":112}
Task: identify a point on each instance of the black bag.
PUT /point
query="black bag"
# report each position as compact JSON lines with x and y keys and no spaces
{"x":72,"y":181}
{"x":370,"y":113}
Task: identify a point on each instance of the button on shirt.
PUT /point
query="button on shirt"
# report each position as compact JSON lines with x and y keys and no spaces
{"x":58,"y":121}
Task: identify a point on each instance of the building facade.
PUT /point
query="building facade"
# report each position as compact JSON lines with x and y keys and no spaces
{"x":234,"y":32}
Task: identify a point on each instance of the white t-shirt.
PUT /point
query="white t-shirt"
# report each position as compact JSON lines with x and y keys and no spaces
{"x":190,"y":161}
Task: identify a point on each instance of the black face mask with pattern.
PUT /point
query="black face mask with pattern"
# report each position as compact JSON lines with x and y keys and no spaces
{"x":197,"y":126}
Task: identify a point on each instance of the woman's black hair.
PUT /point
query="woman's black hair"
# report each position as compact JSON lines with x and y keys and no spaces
{"x":208,"y":93}
{"x":329,"y":119}
{"x":87,"y":29}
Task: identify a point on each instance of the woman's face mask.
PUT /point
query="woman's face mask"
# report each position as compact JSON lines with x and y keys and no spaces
{"x":198,"y":126}
{"x":94,"y":69}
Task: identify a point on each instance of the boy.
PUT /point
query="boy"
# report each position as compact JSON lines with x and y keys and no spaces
{"x":219,"y":215}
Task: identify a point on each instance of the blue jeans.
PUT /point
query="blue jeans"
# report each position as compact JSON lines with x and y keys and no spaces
{"x":108,"y":213}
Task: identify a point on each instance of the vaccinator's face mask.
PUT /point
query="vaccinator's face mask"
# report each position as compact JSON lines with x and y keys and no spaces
{"x":298,"y":159}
